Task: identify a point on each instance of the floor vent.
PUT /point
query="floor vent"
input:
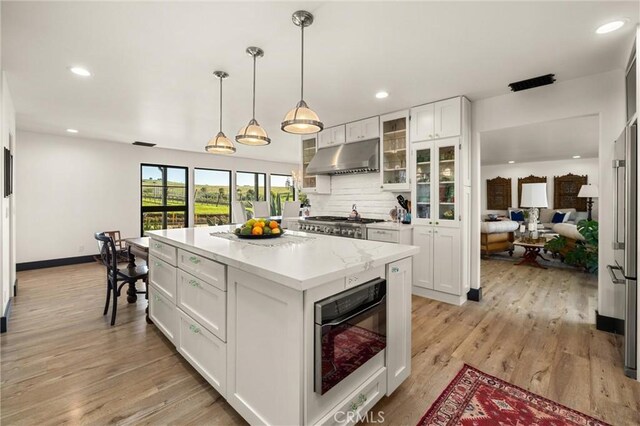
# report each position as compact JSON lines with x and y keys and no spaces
{"x":543,"y":80}
{"x":148,"y":144}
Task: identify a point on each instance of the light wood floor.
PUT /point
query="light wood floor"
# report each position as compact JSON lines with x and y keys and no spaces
{"x":61,"y":362}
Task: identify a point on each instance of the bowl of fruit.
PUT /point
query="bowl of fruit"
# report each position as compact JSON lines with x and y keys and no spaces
{"x":259,"y":228}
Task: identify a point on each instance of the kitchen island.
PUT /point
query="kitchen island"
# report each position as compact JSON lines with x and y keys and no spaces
{"x":301,"y":329}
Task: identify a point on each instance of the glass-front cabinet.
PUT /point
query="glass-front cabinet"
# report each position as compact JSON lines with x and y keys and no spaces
{"x":308,"y":151}
{"x":312,"y":184}
{"x":434,"y":188}
{"x":394,"y":153}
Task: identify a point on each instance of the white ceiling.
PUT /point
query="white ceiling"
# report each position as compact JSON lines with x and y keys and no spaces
{"x":547,"y":141}
{"x":152,"y":62}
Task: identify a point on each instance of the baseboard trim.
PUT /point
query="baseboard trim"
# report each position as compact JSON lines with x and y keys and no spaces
{"x":609,"y":324}
{"x":439,"y":296}
{"x":475,"y":294}
{"x":39,"y":264}
{"x":4,"y":320}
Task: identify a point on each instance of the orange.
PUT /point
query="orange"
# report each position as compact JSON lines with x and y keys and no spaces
{"x":260,"y":224}
{"x":275,"y":231}
{"x":273,"y":224}
{"x":257,"y":230}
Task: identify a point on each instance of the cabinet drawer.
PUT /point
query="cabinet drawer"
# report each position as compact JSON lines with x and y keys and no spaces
{"x":163,"y":313}
{"x":205,"y":269}
{"x":163,"y":276}
{"x":384,"y":235}
{"x":359,"y":402}
{"x":204,"y":351}
{"x":204,"y":302}
{"x":163,"y":251}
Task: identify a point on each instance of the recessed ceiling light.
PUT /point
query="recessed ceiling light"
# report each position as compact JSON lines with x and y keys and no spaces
{"x":610,"y":26}
{"x":72,"y":131}
{"x":382,"y":94}
{"x":576,"y":156}
{"x":511,"y":161}
{"x":80,"y":71}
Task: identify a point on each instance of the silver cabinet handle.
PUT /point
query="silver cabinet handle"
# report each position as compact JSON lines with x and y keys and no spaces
{"x":156,"y":245}
{"x":613,"y":276}
{"x":362,"y":398}
{"x":437,"y":135}
{"x":194,"y":259}
{"x":157,"y":264}
{"x":194,"y":283}
{"x":194,"y":329}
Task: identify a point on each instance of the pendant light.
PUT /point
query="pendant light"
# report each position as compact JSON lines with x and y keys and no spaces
{"x":220,"y":144}
{"x":253,"y":133}
{"x":302,"y":120}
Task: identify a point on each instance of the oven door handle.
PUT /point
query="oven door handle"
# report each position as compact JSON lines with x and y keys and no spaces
{"x":612,"y":274}
{"x":352,"y":316}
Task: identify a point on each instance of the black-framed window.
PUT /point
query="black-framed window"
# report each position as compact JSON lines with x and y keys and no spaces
{"x":212,"y":197}
{"x":164,"y":199}
{"x":281,"y":189}
{"x":251,"y":186}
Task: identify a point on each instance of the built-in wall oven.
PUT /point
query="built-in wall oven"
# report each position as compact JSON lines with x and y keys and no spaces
{"x":350,"y":329}
{"x":625,"y":245}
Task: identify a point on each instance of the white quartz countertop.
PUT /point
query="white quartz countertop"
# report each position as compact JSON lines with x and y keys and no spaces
{"x":306,"y":261}
{"x":389,"y":225}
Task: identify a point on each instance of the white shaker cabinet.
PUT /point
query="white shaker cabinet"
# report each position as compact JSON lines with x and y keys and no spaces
{"x":446,"y":260}
{"x":362,"y":130}
{"x":423,"y":264}
{"x":398,"y":327}
{"x":436,"y":120}
{"x":332,"y":136}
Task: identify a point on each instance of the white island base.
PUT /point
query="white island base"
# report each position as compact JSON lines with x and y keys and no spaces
{"x":245,"y":322}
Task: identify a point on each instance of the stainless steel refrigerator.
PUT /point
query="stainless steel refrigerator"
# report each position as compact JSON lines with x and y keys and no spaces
{"x":625,"y":245}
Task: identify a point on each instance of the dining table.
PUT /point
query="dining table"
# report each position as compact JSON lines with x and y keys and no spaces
{"x":138,"y":252}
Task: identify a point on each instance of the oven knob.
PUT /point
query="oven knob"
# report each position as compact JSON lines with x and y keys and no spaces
{"x":350,"y":232}
{"x":303,"y":227}
{"x":358,"y":233}
{"x":327,"y":230}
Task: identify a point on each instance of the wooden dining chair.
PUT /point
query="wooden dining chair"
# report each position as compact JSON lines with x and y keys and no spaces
{"x":117,"y":276}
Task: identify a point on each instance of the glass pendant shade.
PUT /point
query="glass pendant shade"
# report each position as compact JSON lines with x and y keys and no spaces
{"x":220,"y":144}
{"x":253,"y":134}
{"x":301,"y":120}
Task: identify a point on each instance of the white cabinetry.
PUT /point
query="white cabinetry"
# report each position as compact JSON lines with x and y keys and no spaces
{"x":363,"y":130}
{"x":440,"y":195}
{"x":437,"y":270}
{"x":162,"y":312}
{"x":389,"y":233}
{"x":394,"y":152}
{"x":332,"y":136}
{"x":204,"y":351}
{"x":398,"y":326}
{"x":312,"y":184}
{"x":437,"y":120}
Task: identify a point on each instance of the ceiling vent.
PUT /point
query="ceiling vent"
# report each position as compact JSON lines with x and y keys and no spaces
{"x":543,"y":80}
{"x":147,"y":144}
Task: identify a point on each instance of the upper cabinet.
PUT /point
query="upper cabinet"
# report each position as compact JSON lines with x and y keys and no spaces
{"x":320,"y":184}
{"x":394,"y":155}
{"x":363,"y":130}
{"x":332,"y":136}
{"x":436,"y":120}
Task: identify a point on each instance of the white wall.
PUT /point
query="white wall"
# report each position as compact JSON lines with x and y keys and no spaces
{"x":360,"y":189}
{"x":583,"y":166}
{"x":601,"y":94}
{"x":7,"y":129}
{"x":68,"y":188}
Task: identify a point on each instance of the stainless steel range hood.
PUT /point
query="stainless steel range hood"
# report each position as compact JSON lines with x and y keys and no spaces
{"x":356,"y":157}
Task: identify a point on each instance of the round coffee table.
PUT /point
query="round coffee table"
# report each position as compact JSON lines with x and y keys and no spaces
{"x":531,"y":253}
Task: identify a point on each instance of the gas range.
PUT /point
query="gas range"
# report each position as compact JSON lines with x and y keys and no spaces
{"x":336,"y":225}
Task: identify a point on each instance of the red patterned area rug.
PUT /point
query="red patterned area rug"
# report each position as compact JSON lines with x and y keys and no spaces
{"x":475,"y":398}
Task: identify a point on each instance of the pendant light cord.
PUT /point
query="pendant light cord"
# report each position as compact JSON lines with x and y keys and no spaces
{"x":302,"y":65}
{"x":221,"y":104}
{"x":254,"y":87}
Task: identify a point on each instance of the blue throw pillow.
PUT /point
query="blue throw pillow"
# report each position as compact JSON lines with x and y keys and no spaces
{"x":517,"y":216}
{"x":558,"y":217}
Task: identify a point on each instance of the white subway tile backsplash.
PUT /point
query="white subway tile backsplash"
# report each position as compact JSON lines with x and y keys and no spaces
{"x":361,"y":189}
